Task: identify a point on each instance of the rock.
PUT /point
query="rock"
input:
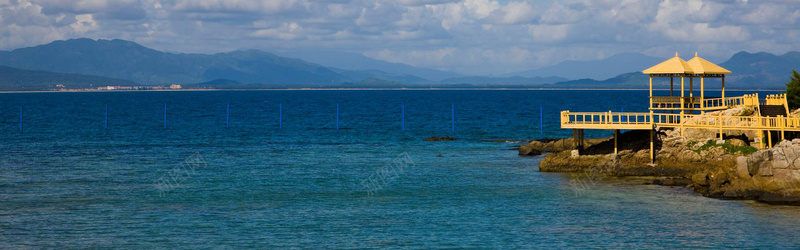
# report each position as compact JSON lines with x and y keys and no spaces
{"x":755,"y":160}
{"x":446,"y":138}
{"x":673,"y":182}
{"x":439,"y":156}
{"x":700,"y":179}
{"x":741,"y":167}
{"x":527,"y":150}
{"x":737,"y":142}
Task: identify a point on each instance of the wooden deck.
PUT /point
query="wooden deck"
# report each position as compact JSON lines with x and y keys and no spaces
{"x":630,"y":121}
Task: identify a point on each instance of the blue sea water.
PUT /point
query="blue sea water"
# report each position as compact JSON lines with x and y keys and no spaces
{"x":275,"y":172}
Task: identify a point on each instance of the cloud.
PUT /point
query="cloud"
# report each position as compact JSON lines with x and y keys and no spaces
{"x":469,"y":36}
{"x":84,"y":23}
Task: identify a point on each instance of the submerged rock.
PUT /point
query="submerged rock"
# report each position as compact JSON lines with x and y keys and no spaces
{"x":446,"y":138}
{"x":527,"y":150}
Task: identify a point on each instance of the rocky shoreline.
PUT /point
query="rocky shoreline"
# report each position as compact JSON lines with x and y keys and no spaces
{"x":727,"y":169}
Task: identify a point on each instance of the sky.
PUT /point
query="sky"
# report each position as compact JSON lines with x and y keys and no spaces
{"x":485,"y":37}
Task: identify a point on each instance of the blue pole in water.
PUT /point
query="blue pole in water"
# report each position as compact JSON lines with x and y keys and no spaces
{"x":453,"y":111}
{"x":106,"y":124}
{"x":228,"y":116}
{"x":21,"y":108}
{"x":337,"y":116}
{"x":165,"y":115}
{"x":541,"y":121}
{"x":280,"y":116}
{"x":404,"y":116}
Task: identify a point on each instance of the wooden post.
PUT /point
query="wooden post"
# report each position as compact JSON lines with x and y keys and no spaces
{"x":616,"y":140}
{"x":769,"y":139}
{"x":782,"y":124}
{"x":681,"y":120}
{"x":575,"y":138}
{"x":720,"y":125}
{"x":652,"y":147}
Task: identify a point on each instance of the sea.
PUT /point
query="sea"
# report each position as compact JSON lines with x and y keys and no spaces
{"x":337,"y":169}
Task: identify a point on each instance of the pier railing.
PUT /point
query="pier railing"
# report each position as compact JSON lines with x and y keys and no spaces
{"x":618,"y":120}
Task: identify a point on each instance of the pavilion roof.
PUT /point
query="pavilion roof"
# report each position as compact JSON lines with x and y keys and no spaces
{"x":674,"y":65}
{"x":702,"y":66}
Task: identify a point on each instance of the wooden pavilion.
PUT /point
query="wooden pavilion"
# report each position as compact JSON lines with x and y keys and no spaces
{"x":678,"y":112}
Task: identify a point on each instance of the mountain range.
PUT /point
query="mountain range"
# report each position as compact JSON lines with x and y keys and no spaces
{"x":123,"y":63}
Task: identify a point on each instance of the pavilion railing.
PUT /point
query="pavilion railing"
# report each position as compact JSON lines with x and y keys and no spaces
{"x":694,"y":103}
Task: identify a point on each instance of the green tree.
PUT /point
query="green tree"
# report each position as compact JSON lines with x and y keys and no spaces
{"x":793,"y":91}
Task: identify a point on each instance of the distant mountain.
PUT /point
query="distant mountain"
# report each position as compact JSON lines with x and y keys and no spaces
{"x":13,"y":79}
{"x":359,"y":62}
{"x":504,"y":81}
{"x":595,"y":69}
{"x":128,"y":60}
{"x":361,"y":75}
{"x":635,"y":80}
{"x":760,"y":70}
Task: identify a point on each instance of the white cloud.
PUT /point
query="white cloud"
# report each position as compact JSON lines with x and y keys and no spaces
{"x":84,"y":23}
{"x":287,"y":31}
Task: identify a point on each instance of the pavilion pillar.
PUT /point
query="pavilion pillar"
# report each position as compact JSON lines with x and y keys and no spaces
{"x":723,"y":91}
{"x":671,"y":83}
{"x":691,"y":94}
{"x":682,"y":94}
{"x":651,"y":92}
{"x":702,"y":96}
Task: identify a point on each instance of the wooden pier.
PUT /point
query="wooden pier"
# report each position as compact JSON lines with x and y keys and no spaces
{"x":678,"y":112}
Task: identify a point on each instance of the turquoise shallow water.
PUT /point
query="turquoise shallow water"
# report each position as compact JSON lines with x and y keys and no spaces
{"x":66,"y":181}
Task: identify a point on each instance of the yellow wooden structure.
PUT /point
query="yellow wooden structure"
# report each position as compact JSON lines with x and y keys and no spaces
{"x":663,"y":108}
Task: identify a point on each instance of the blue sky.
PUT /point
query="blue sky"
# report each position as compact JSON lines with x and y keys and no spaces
{"x":469,"y":36}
